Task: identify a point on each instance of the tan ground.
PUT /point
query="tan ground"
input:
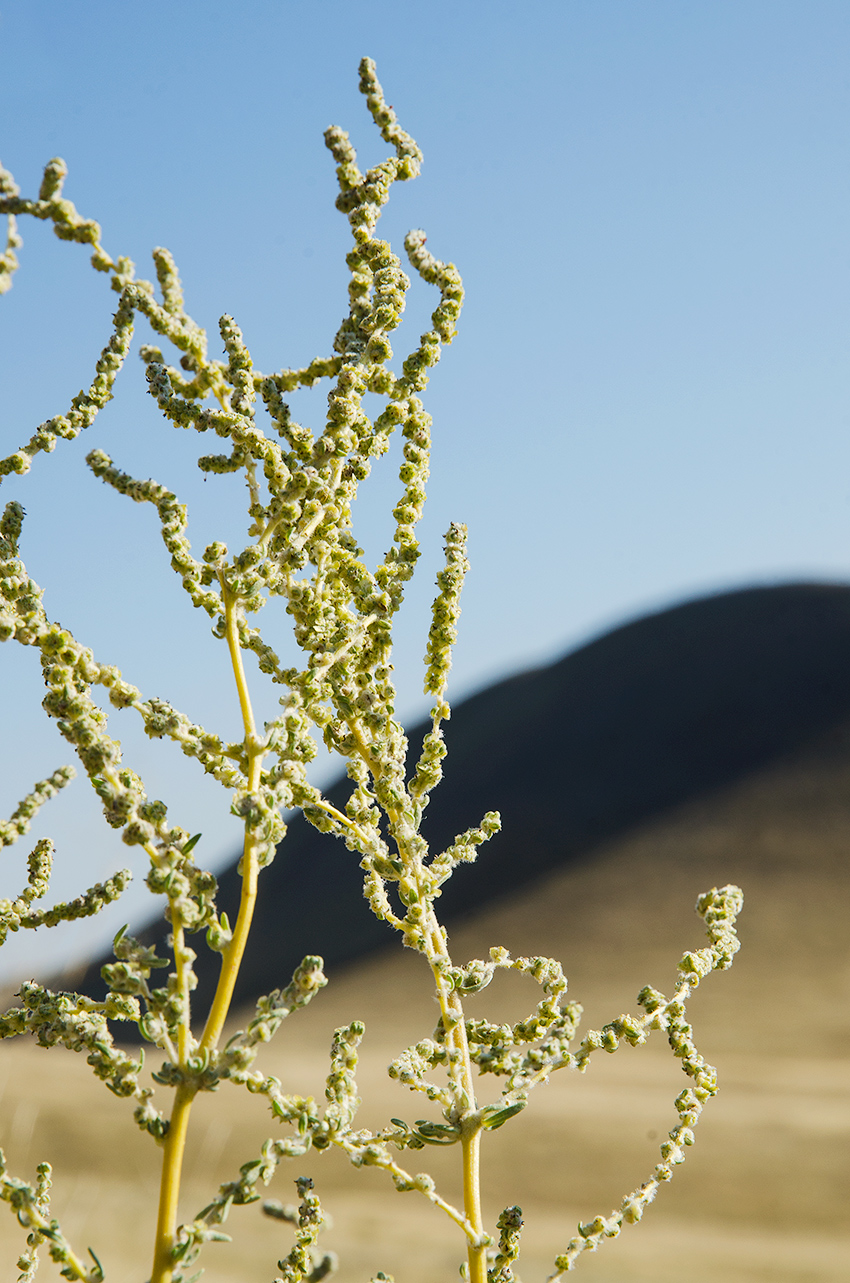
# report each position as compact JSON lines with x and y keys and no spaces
{"x":764,"y":1195}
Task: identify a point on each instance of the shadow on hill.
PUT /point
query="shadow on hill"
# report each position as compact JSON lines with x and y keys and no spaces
{"x":642,"y":720}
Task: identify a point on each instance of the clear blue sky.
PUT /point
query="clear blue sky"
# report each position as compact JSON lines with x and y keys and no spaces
{"x":648,"y":399}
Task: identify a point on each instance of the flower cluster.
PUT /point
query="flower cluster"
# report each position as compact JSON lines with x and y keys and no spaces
{"x":32,"y":1208}
{"x":719,"y":910}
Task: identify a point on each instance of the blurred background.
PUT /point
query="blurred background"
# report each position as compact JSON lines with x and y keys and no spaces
{"x":647,"y":403}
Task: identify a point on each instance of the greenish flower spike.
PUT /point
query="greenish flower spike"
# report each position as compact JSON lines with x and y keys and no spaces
{"x":510,"y":1229}
{"x":19,"y":822}
{"x":299,"y":544}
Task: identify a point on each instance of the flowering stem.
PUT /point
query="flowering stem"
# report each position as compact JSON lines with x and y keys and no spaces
{"x":232,"y":956}
{"x":175,"y":1140}
{"x":454,"y":1021}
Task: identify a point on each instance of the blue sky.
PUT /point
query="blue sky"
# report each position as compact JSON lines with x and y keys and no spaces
{"x":648,"y":399}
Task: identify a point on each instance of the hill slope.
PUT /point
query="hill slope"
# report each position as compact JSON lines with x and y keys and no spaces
{"x":654,"y":715}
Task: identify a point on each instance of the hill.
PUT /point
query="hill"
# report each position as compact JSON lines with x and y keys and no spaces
{"x":652,"y":716}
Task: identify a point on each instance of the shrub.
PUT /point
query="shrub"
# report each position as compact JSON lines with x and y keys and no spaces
{"x":300,"y":546}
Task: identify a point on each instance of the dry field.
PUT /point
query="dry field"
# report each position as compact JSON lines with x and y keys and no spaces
{"x":764,"y":1194}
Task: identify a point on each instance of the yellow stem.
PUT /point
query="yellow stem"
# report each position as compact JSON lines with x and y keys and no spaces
{"x":454,"y":1020}
{"x":232,"y":955}
{"x":232,"y":630}
{"x":231,"y":958}
{"x":477,"y":1256}
{"x":175,"y":1140}
{"x":169,"y":1192}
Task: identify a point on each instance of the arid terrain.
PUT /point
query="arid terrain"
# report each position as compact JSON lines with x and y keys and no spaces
{"x":764,"y":1194}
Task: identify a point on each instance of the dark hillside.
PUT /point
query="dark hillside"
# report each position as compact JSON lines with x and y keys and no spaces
{"x":655,"y":714}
